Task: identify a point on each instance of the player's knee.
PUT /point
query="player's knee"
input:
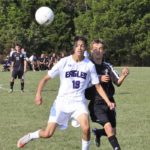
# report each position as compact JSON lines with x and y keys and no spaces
{"x":86,"y":129}
{"x":108,"y":129}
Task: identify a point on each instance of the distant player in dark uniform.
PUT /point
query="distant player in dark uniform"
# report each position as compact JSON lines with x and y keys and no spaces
{"x":99,"y":111}
{"x":18,"y":67}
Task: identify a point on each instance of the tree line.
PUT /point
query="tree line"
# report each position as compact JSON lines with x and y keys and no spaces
{"x":123,"y":24}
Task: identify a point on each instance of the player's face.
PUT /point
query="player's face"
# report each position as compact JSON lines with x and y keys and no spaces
{"x":18,"y":48}
{"x":98,"y":50}
{"x":79,"y":48}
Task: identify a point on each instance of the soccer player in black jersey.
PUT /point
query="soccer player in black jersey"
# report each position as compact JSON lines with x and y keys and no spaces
{"x":99,"y":110}
{"x":18,"y":67}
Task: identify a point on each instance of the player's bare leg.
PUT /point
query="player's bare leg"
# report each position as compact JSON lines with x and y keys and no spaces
{"x":83,"y":119}
{"x":46,"y":133}
{"x":111,"y":136}
{"x":108,"y":129}
{"x":49,"y":131}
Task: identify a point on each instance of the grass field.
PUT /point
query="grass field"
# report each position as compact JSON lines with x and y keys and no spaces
{"x":19,"y":115}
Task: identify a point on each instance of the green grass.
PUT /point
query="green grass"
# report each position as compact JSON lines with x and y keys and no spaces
{"x":19,"y":115}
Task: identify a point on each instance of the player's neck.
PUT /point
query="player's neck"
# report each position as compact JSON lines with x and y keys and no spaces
{"x":18,"y":51}
{"x":77,"y":58}
{"x":97,"y":60}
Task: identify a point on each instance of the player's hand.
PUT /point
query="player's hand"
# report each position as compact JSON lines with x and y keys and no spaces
{"x":111,"y":105}
{"x":105,"y":78}
{"x":125,"y":71}
{"x":38,"y":99}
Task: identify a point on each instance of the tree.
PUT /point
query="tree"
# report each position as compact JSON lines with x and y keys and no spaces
{"x":124,"y":25}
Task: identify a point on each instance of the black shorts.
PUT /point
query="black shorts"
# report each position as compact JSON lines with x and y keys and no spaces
{"x":102,"y":114}
{"x":17,"y":73}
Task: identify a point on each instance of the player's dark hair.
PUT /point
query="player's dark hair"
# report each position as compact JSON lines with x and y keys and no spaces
{"x":99,"y":41}
{"x":18,"y":44}
{"x":80,"y":38}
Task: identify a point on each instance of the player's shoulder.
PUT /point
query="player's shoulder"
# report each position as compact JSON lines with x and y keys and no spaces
{"x":107,"y":64}
{"x":111,"y":68}
{"x":13,"y":53}
{"x":88,"y":61}
{"x":64,"y":59}
{"x":89,"y":65}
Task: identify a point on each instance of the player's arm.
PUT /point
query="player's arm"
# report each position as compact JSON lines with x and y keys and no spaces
{"x":51,"y":74}
{"x":12,"y":62}
{"x":124,"y":74}
{"x":25,"y":65}
{"x":11,"y":66}
{"x":104,"y":96}
{"x":43,"y":81}
{"x":104,"y":78}
{"x":116,"y":79}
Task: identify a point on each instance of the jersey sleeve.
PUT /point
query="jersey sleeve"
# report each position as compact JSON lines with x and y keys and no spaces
{"x":56,"y":69}
{"x":114,"y":75}
{"x":12,"y":57}
{"x":24,"y":56}
{"x":94,"y":76}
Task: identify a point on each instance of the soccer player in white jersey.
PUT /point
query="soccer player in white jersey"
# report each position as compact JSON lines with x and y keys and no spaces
{"x":75,"y":73}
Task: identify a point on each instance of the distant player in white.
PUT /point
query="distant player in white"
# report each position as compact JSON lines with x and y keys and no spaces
{"x":75,"y":73}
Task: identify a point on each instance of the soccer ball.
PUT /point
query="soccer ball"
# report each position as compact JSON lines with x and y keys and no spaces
{"x":44,"y":15}
{"x":75,"y":123}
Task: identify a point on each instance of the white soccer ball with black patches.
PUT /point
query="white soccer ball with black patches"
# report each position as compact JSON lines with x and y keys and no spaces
{"x":44,"y":15}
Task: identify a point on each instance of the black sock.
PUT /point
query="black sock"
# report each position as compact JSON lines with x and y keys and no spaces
{"x":114,"y":142}
{"x":11,"y":85}
{"x":22,"y":85}
{"x":101,"y":132}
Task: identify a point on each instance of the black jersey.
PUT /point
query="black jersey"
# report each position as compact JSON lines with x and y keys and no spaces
{"x":41,"y":59}
{"x":18,"y":59}
{"x":103,"y":69}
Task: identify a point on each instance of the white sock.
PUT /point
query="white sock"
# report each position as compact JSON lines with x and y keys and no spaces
{"x":85,"y":145}
{"x":35,"y":135}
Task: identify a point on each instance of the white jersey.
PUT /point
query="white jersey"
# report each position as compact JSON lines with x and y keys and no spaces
{"x":74,"y":77}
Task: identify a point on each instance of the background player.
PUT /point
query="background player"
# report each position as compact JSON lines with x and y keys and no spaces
{"x":99,"y":111}
{"x":75,"y":73}
{"x":18,"y":67}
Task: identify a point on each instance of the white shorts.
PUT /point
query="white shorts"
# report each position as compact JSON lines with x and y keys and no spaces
{"x":62,"y":111}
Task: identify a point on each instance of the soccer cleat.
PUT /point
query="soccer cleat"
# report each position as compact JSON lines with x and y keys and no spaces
{"x":10,"y":91}
{"x":24,"y":140}
{"x":22,"y":91}
{"x":97,"y":137}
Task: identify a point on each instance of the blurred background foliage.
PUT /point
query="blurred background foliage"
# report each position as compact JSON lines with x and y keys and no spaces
{"x":123,"y":24}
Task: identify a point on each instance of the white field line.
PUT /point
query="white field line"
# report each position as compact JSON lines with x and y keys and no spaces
{"x":5,"y":89}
